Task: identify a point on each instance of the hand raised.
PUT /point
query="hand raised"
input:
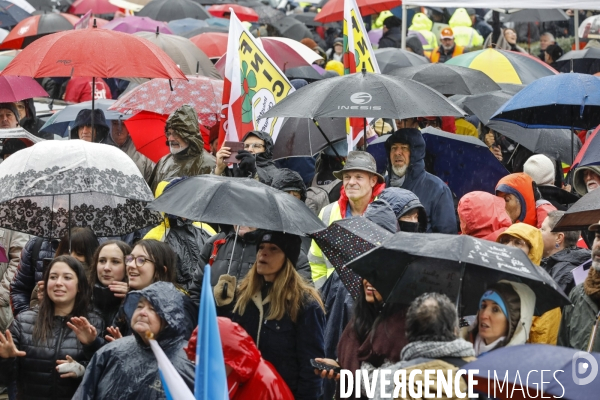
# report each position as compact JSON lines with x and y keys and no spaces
{"x":8,"y":348}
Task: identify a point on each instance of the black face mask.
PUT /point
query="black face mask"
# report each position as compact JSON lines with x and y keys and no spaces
{"x":406,"y":226}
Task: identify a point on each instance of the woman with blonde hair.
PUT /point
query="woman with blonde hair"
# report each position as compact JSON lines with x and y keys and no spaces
{"x":283,"y":314}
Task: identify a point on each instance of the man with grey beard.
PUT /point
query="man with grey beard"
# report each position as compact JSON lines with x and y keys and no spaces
{"x":578,"y":320}
{"x":405,"y":149}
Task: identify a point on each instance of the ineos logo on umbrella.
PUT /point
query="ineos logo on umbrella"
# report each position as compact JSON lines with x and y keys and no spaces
{"x":361,"y":98}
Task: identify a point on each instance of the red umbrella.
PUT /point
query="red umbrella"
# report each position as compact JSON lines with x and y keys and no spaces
{"x":93,"y":52}
{"x":243,"y":13}
{"x":97,"y":7}
{"x":213,"y":44}
{"x":156,"y":96}
{"x":147,"y":131}
{"x":34,"y":27}
{"x":16,"y":88}
{"x":333,"y":11}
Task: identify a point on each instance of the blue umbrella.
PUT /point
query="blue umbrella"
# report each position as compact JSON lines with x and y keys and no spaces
{"x":524,"y":364}
{"x":224,"y":22}
{"x":465,"y":163}
{"x":185,"y":25}
{"x":60,"y":122}
{"x":10,"y":14}
{"x":557,"y":101}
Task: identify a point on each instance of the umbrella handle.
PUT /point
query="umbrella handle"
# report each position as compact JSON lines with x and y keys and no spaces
{"x":237,"y":231}
{"x":326,"y":138}
{"x":593,"y":335}
{"x":463,"y":266}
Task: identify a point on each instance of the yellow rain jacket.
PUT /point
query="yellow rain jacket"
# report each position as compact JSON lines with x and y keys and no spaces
{"x":464,"y":34}
{"x":422,"y":24}
{"x":320,"y":267}
{"x":544,"y":329}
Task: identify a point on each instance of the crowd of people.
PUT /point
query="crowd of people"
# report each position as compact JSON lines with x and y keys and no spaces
{"x":77,"y":313}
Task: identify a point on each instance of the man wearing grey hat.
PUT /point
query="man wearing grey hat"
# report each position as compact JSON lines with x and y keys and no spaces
{"x":360,"y":185}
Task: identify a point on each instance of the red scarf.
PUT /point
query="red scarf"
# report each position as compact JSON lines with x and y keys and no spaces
{"x":343,"y":201}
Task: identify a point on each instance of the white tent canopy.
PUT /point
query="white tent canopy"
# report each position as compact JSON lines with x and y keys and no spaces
{"x":562,"y":4}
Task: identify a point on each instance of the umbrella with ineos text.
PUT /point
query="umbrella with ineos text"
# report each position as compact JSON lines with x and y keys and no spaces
{"x":237,"y":201}
{"x":55,"y":185}
{"x":407,"y":265}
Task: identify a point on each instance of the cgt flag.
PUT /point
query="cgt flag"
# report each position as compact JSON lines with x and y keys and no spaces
{"x":253,"y":84}
{"x":358,"y":54}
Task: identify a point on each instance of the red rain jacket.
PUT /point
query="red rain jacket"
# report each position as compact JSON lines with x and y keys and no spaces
{"x":483,"y":215}
{"x":251,"y":376}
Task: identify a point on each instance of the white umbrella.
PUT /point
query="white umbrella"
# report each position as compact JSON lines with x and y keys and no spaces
{"x":54,"y":185}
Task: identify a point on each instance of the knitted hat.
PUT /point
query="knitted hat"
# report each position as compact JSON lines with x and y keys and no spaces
{"x":288,"y":243}
{"x":310,"y":43}
{"x":540,"y":168}
{"x":11,"y":107}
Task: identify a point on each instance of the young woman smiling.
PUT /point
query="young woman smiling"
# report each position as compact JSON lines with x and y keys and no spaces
{"x":40,"y":341}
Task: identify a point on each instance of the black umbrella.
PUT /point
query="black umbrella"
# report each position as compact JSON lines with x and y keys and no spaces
{"x":205,"y":29}
{"x":512,"y":88}
{"x":237,"y":201}
{"x":51,"y":5}
{"x":483,"y":106}
{"x":585,"y":212}
{"x":364,"y":95}
{"x":268,"y":15}
{"x":291,"y":28}
{"x":390,"y":59}
{"x":307,"y":18}
{"x":586,"y":61}
{"x":307,"y":73}
{"x":555,"y":143}
{"x":535,"y":15}
{"x":449,"y":79}
{"x":300,"y":137}
{"x":407,"y":265}
{"x":346,"y":239}
{"x":169,"y":10}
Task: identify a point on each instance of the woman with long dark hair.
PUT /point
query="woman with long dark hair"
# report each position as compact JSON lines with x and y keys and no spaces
{"x":42,"y":347}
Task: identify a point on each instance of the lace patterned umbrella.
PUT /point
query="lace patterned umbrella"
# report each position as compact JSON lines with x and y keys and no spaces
{"x":54,"y":185}
{"x":200,"y":92}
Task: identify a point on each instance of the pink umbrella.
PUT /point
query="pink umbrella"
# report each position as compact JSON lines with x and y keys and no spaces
{"x":286,"y":53}
{"x":15,"y":88}
{"x":375,"y":35}
{"x":97,"y":7}
{"x":156,"y":96}
{"x":137,"y":24}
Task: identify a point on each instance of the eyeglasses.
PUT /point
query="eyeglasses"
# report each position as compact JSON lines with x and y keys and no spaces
{"x":139,"y":261}
{"x":253,"y":146}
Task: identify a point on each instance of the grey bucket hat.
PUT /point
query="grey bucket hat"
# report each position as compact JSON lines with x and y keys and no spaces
{"x":359,"y":161}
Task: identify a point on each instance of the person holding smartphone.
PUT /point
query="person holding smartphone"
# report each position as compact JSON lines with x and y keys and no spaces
{"x":254,"y":161}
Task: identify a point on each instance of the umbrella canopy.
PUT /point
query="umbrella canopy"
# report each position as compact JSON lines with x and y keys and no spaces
{"x":307,"y":18}
{"x":183,"y":52}
{"x":535,"y":15}
{"x":533,"y":360}
{"x":334,"y":9}
{"x":33,"y":28}
{"x":346,"y":239}
{"x":10,"y":14}
{"x":243,"y":13}
{"x":213,"y":44}
{"x":390,"y":59}
{"x":133,"y":5}
{"x":16,"y":88}
{"x":6,"y":57}
{"x":504,"y":66}
{"x":364,"y":95}
{"x":96,"y":6}
{"x":453,"y":158}
{"x":55,"y":185}
{"x":83,"y":53}
{"x":556,"y":143}
{"x":147,"y":131}
{"x":237,"y":201}
{"x":449,"y":79}
{"x":590,"y":151}
{"x":24,"y":4}
{"x":60,"y":121}
{"x":19,"y":133}
{"x":586,"y":61}
{"x":308,"y":73}
{"x":483,"y":106}
{"x":557,"y":101}
{"x":300,"y":137}
{"x":133,"y":24}
{"x":582,"y":214}
{"x":156,"y":96}
{"x":292,"y":28}
{"x":268,"y":15}
{"x":185,"y":25}
{"x":168,"y":10}
{"x":206,"y":29}
{"x":407,"y":265}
